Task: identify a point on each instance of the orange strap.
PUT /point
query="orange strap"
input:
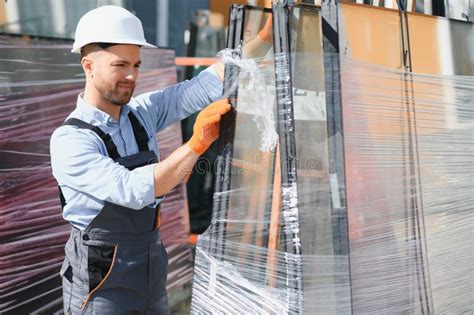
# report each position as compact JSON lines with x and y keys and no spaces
{"x":193,"y":238}
{"x":158,"y":218}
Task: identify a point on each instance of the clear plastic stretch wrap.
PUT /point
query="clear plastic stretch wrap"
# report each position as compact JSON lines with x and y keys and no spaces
{"x":409,"y":149}
{"x":382,"y":212}
{"x":409,"y":166}
{"x":39,"y":84}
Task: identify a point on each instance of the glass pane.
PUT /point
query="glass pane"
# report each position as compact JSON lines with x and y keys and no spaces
{"x":250,"y":196}
{"x":407,"y":138}
{"x":446,"y":158}
{"x":312,"y":154}
{"x":241,"y":275}
{"x":376,"y":182}
{"x":407,"y":143}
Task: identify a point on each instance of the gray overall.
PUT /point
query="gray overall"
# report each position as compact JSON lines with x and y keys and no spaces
{"x":118,"y":264}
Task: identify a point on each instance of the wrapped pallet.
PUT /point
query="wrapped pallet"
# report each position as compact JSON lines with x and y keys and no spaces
{"x":39,"y":84}
{"x":364,"y":205}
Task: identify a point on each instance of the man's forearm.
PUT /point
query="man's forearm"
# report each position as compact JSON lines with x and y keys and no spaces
{"x":256,"y":48}
{"x":172,"y":170}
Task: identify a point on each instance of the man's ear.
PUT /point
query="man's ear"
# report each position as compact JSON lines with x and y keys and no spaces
{"x":88,"y":66}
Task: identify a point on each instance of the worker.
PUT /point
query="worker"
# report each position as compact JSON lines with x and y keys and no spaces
{"x":106,"y":162}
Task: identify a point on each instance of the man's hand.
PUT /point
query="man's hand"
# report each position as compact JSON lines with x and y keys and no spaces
{"x":266,"y":33}
{"x":255,"y":47}
{"x":206,"y":128}
{"x":179,"y":165}
{"x":258,"y":46}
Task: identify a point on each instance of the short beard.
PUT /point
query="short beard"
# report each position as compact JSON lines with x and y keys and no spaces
{"x":114,"y":96}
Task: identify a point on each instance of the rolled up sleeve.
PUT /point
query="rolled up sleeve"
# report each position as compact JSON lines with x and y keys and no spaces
{"x":181,"y":100}
{"x":80,"y":164}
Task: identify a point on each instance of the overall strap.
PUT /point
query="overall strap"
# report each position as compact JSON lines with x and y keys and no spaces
{"x":109,"y":144}
{"x":140,"y":133}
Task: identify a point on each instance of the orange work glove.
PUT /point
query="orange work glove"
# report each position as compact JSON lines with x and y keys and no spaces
{"x":266,"y":33}
{"x":206,"y":127}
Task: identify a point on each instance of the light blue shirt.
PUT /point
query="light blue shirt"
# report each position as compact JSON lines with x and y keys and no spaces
{"x":79,"y":159}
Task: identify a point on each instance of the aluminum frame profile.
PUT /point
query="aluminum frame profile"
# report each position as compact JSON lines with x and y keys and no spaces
{"x":227,"y":132}
{"x":287,"y":141}
{"x":227,"y":128}
{"x":336,"y":154}
{"x":415,"y":207}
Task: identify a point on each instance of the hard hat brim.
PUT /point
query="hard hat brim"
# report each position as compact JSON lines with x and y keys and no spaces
{"x":77,"y":50}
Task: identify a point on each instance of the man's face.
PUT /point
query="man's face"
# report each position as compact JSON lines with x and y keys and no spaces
{"x":115,"y":71}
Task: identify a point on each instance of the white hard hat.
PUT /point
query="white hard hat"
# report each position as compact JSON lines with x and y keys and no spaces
{"x":109,"y":24}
